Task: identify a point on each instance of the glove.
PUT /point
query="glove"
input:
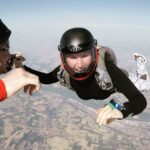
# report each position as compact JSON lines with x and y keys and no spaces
{"x":109,"y":113}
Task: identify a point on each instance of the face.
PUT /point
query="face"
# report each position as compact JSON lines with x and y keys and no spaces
{"x":79,"y":62}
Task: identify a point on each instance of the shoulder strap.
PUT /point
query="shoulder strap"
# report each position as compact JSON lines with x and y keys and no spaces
{"x":108,"y":53}
{"x":101,"y":75}
{"x":64,"y":78}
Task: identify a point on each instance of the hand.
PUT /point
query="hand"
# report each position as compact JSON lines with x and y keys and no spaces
{"x":29,"y":89}
{"x":106,"y":115}
{"x":17,"y":60}
{"x":17,"y":79}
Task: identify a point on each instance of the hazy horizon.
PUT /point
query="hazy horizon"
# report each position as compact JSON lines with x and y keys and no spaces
{"x":37,"y":26}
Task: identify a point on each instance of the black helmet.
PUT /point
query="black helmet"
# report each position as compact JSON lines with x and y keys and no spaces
{"x":4,"y":33}
{"x":78,"y":40}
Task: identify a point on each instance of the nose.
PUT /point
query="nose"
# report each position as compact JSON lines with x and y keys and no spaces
{"x":80,"y":63}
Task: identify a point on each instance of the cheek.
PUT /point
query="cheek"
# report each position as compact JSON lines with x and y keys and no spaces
{"x":70,"y":62}
{"x":88,"y":60}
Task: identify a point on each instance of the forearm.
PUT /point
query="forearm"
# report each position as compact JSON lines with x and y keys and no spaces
{"x":135,"y":105}
{"x":45,"y":78}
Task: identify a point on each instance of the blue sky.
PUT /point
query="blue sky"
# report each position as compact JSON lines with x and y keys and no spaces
{"x":120,"y":24}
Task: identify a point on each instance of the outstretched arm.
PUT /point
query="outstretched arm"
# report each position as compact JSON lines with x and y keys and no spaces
{"x":45,"y":78}
{"x":137,"y":102}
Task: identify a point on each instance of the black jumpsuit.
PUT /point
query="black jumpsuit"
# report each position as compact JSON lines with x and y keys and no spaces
{"x":89,"y":88}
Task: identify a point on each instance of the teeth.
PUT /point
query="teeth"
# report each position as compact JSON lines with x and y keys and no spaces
{"x":80,"y":71}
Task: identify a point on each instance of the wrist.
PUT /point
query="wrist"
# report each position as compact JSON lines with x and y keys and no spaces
{"x":114,"y":104}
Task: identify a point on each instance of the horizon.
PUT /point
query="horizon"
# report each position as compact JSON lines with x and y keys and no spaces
{"x":123,"y":26}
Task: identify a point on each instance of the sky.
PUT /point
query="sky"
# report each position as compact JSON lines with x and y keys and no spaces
{"x":36,"y":25}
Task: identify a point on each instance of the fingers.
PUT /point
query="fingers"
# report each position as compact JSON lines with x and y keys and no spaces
{"x":34,"y":82}
{"x":107,"y":115}
{"x":29,"y":89}
{"x":26,"y":88}
{"x":103,"y":114}
{"x":100,"y":111}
